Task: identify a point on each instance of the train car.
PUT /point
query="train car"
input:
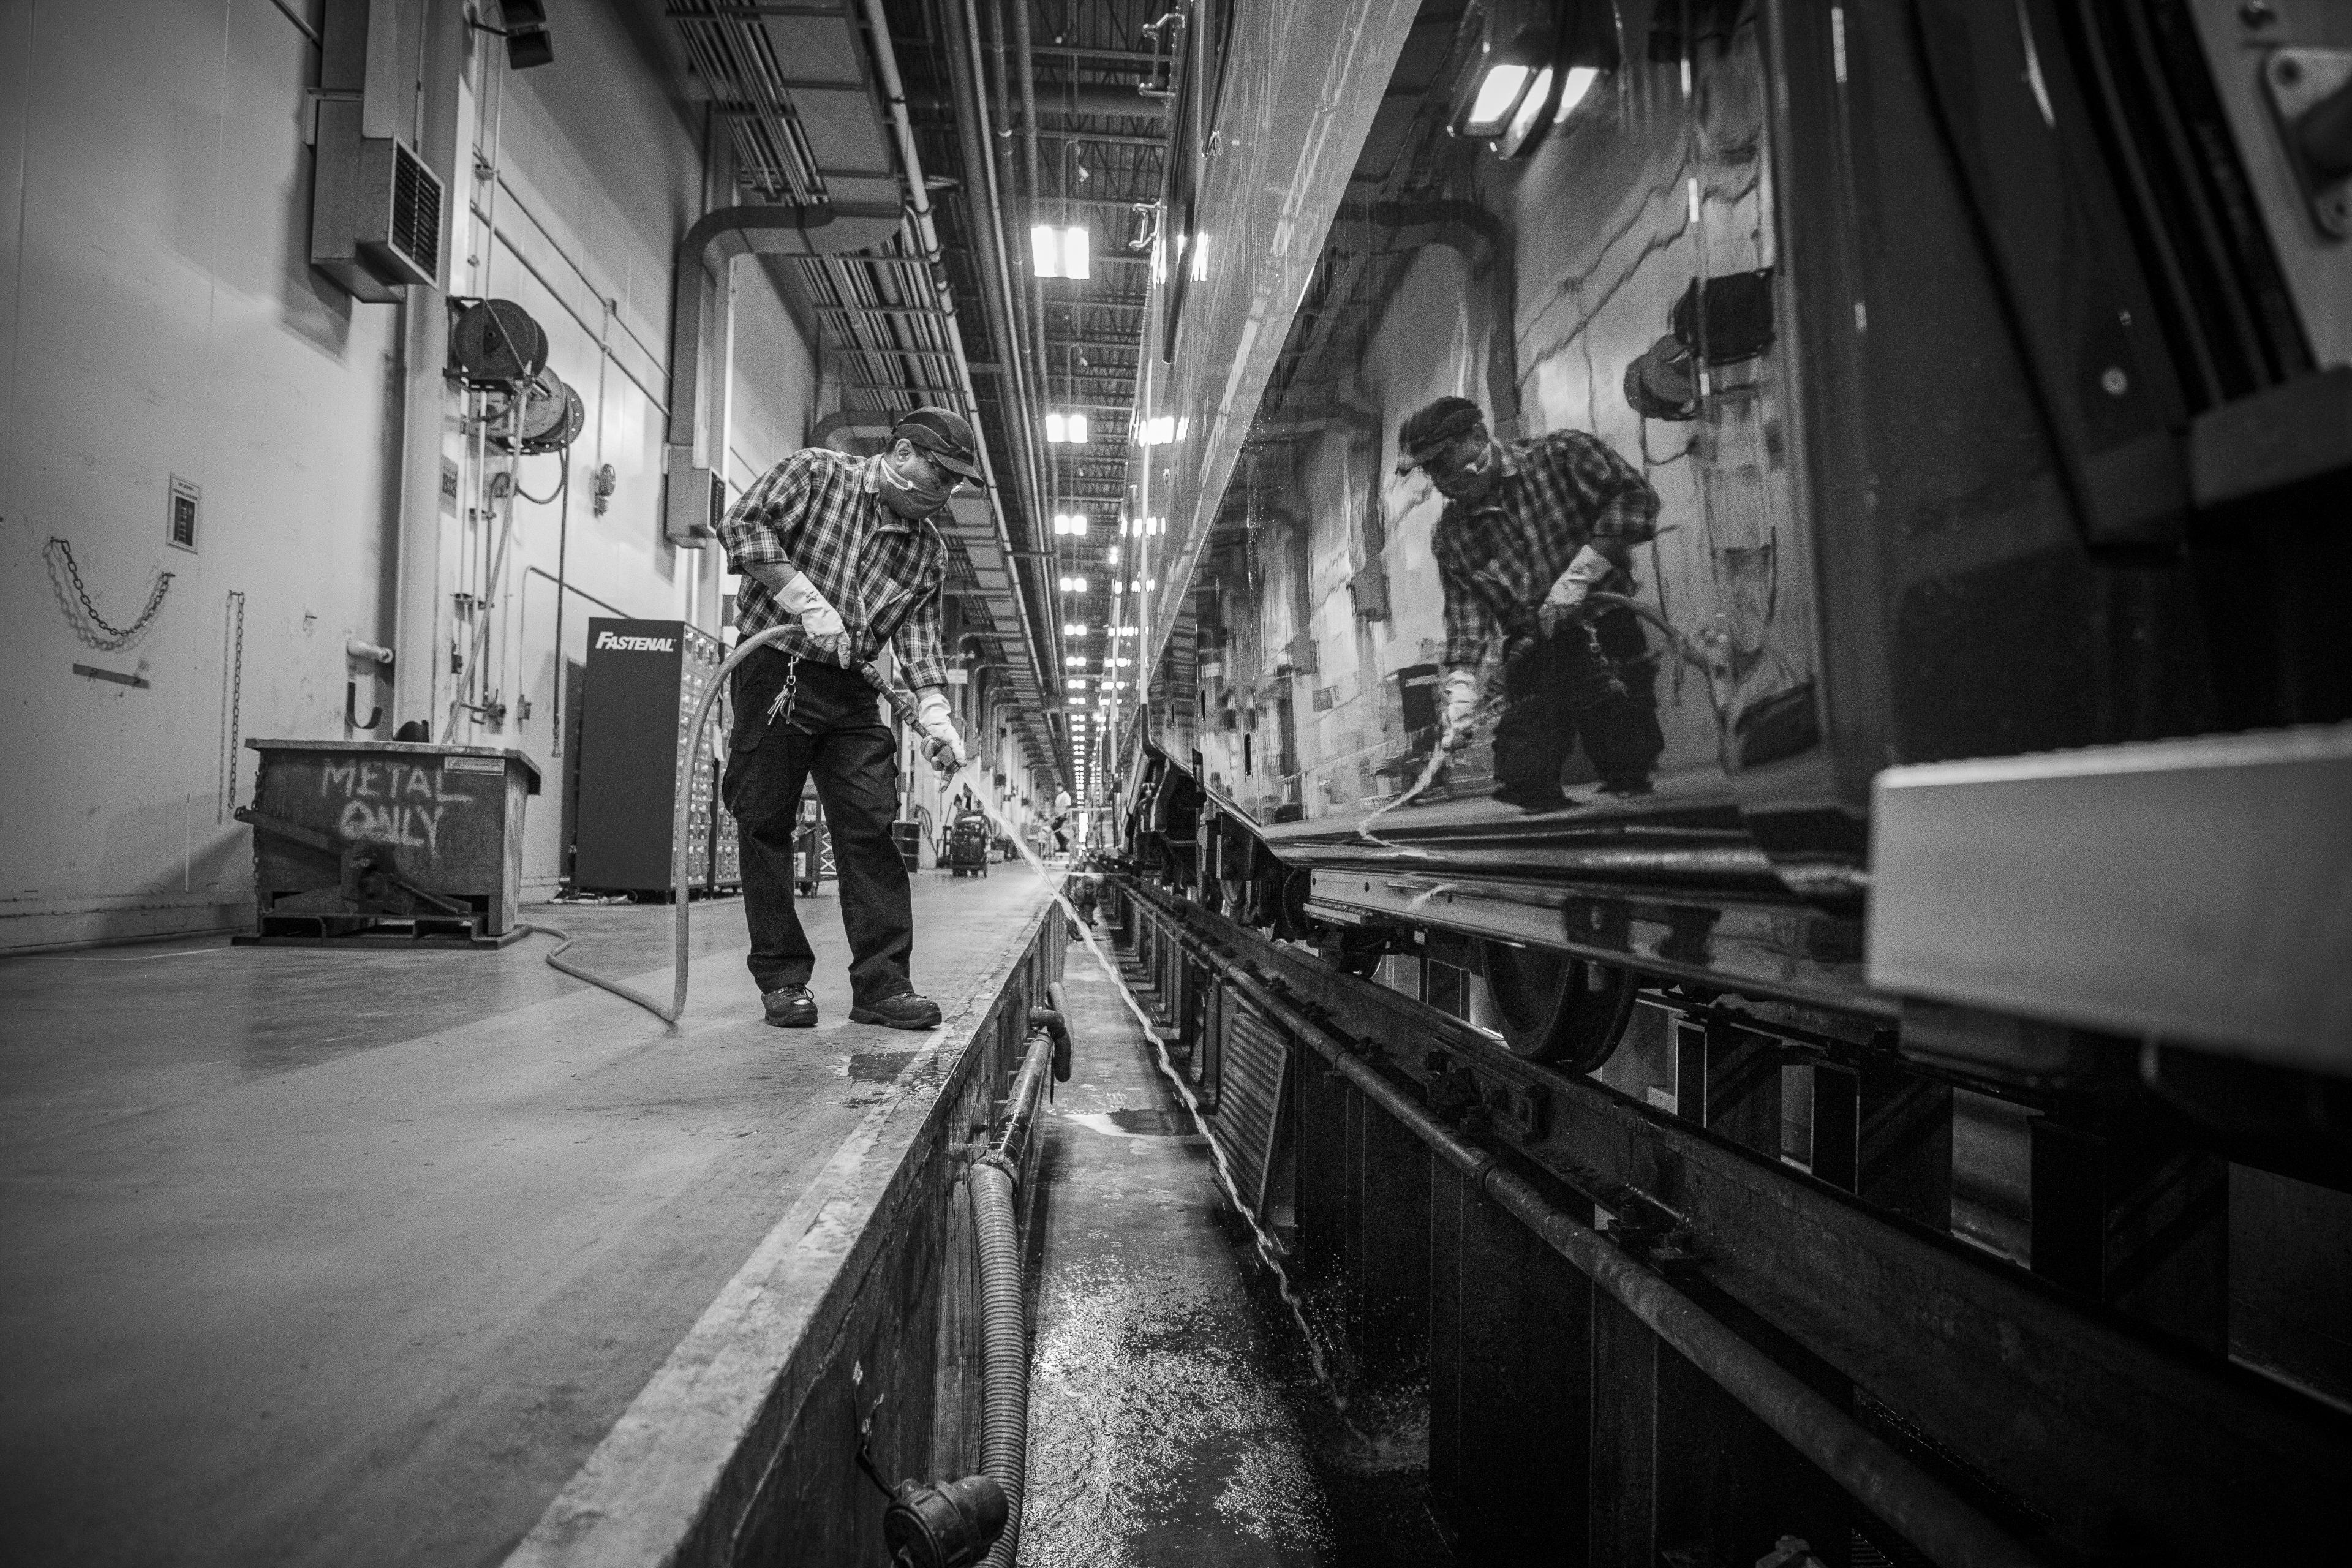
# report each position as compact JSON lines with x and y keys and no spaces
{"x":1960,"y":382}
{"x":1775,"y":568}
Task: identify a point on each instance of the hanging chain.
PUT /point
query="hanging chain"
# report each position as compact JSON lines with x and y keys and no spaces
{"x":782,"y":708}
{"x":232,"y":669}
{"x":116,"y":636}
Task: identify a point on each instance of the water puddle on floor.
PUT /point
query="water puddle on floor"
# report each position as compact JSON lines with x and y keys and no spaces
{"x":878,"y":1067}
{"x":1189,"y":1405}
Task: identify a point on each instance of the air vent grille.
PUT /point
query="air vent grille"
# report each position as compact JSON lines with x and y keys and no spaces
{"x":415,"y":229}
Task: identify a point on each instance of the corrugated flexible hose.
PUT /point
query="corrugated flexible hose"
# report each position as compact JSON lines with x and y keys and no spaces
{"x":1003,"y":1296}
{"x":1004,"y":1330}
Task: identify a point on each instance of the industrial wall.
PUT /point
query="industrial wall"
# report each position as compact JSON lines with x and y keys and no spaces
{"x":164,"y":326}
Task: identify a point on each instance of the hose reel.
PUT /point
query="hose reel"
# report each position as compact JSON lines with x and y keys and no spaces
{"x":539,"y":413}
{"x":495,"y":342}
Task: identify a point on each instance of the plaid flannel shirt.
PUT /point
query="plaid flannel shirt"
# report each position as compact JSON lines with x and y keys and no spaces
{"x":1498,"y":558}
{"x":818,"y":511}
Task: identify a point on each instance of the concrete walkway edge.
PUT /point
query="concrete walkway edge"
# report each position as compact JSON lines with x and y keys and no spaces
{"x":672,"y":1480}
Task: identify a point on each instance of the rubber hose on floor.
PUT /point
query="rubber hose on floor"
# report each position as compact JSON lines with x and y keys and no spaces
{"x":1005,"y":1430}
{"x":679,"y":890}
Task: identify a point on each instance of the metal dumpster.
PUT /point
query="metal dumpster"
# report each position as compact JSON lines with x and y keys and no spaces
{"x":375,"y":843}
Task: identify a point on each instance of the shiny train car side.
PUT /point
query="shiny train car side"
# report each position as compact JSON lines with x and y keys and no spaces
{"x":1918,"y":383}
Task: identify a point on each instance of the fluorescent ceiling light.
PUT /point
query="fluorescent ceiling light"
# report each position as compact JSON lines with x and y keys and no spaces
{"x":1571,"y":92}
{"x":1065,"y":429}
{"x":1530,"y":107}
{"x":1497,"y":95}
{"x":1062,"y":252}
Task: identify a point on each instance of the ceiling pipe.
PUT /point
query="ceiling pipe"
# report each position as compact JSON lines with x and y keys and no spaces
{"x":1108,"y":102}
{"x":996,"y":271}
{"x":699,"y":293}
{"x":1028,"y":64}
{"x":894,"y":94}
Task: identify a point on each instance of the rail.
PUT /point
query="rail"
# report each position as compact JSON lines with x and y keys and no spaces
{"x":1944,"y":1526}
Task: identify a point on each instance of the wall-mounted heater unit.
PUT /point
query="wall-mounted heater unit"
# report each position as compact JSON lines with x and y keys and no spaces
{"x":375,"y":205}
{"x":375,"y":210}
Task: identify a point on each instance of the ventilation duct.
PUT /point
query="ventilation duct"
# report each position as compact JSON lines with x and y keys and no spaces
{"x":694,"y":497}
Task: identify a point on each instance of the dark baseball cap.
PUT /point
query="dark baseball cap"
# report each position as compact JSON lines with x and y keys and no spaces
{"x":946,"y":438}
{"x":1433,"y":426}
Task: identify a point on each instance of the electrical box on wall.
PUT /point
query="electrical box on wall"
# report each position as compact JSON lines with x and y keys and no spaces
{"x":694,"y":500}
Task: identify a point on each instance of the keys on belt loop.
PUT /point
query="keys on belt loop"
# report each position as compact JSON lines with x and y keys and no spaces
{"x":782,"y":708}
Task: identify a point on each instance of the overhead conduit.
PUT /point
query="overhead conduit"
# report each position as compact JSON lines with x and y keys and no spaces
{"x":688,"y":509}
{"x":894,"y":93}
{"x":821,"y":137}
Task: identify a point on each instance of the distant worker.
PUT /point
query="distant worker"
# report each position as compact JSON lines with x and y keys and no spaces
{"x":1086,"y":891}
{"x":1529,"y":529}
{"x":1062,"y":822}
{"x":845,"y":546}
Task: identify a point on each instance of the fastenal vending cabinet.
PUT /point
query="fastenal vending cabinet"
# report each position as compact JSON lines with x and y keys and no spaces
{"x":645,"y":679}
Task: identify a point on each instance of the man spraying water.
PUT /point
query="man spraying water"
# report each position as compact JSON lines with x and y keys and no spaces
{"x":845,"y":547}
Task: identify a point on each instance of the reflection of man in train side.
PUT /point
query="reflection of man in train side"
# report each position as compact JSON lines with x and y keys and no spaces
{"x":1529,"y":529}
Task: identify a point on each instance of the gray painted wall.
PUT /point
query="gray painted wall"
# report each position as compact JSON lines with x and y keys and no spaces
{"x":158,"y":318}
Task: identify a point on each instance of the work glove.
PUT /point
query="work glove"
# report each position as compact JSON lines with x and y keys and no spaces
{"x":822,"y":623}
{"x":943,"y":747}
{"x":1460,"y":689}
{"x":1565,"y":603}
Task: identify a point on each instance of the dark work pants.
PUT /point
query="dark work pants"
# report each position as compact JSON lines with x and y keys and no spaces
{"x":835,"y":732}
{"x":1562,"y":687}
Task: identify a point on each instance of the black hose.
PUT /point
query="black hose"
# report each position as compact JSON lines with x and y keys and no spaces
{"x":679,"y":888}
{"x":1004,"y":1321}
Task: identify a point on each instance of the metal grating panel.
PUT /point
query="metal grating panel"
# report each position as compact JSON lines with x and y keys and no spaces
{"x":415,"y":227}
{"x":1254,"y":1069}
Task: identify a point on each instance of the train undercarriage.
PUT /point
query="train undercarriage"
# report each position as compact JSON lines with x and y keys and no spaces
{"x":2001,"y":1250}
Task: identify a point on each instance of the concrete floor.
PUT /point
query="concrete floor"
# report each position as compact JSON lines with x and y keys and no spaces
{"x":344,"y":1258}
{"x":1173,"y":1420}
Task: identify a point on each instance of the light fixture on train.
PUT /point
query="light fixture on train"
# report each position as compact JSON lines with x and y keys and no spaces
{"x":1534,"y":61}
{"x":1156,"y":431}
{"x":1063,"y":252}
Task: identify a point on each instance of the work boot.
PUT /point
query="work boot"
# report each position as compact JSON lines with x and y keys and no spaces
{"x":907,"y":1010}
{"x":790,"y":1007}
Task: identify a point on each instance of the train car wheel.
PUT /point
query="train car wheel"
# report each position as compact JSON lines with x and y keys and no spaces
{"x":1557,"y":1009}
